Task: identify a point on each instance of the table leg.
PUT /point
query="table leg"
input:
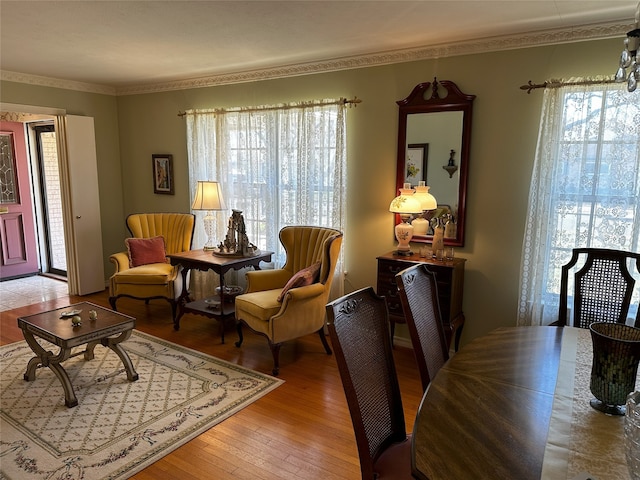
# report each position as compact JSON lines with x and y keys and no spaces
{"x":113,"y":344}
{"x":48,"y":359}
{"x":182,"y":300}
{"x":179,"y":313}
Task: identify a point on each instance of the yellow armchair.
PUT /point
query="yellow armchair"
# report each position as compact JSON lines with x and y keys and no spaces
{"x":158,"y":279}
{"x":301,"y":310}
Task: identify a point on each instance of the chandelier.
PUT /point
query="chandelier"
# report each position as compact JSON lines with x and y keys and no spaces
{"x":629,"y":57}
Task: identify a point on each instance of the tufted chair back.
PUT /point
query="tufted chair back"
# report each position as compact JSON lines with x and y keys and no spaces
{"x":306,"y":246}
{"x":270,"y":308}
{"x":176,"y":228}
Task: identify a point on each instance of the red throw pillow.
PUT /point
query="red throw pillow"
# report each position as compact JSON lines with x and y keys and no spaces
{"x":143,"y":251}
{"x":306,"y":276}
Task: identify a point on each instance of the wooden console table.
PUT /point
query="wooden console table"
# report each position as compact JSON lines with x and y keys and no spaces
{"x":217,"y":306}
{"x":450,"y":279}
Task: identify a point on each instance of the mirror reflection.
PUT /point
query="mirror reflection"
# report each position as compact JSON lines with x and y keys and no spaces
{"x":433,"y":147}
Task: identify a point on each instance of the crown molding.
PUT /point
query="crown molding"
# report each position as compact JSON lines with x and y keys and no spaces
{"x":466,"y":47}
{"x":485,"y":45}
{"x":56,"y":83}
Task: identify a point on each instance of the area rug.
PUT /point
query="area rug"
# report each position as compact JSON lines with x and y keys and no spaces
{"x":119,"y":427}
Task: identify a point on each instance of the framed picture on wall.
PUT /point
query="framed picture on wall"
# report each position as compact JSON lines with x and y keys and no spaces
{"x":416,"y":163}
{"x":162,"y":174}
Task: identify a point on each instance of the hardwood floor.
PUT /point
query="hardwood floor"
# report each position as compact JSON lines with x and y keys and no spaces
{"x":301,"y":430}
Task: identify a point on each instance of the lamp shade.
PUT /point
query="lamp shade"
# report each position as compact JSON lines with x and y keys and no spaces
{"x":405,"y":203}
{"x":208,"y":196}
{"x":427,"y":201}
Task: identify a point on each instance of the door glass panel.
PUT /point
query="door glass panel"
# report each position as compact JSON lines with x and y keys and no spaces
{"x":8,"y":185}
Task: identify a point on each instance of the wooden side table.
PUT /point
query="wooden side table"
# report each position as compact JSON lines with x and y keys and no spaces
{"x":450,"y":279}
{"x":59,"y":331}
{"x":219,"y":306}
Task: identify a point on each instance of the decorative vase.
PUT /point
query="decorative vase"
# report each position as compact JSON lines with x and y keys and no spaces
{"x":616,"y":353}
{"x":438,"y":238}
{"x":632,"y":434}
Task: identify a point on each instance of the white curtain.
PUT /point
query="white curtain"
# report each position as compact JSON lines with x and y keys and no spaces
{"x":279,"y":164}
{"x":585,"y":188}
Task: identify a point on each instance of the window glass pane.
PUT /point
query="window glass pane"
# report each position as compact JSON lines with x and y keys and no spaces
{"x":594,"y":192}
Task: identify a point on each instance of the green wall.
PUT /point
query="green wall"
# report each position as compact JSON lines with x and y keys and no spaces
{"x":505,"y":127}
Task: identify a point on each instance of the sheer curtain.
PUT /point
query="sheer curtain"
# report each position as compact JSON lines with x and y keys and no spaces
{"x":585,"y":188}
{"x":279,"y":164}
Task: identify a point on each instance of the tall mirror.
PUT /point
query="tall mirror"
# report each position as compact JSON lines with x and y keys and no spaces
{"x":434,"y":134}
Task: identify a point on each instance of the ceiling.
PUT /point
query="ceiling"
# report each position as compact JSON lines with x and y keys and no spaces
{"x":128,"y":44}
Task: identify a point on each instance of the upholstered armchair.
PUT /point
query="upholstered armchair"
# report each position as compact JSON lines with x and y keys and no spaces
{"x":288,"y":303}
{"x":142,"y":271}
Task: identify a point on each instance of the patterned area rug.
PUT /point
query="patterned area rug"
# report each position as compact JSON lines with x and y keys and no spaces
{"x":119,"y":427}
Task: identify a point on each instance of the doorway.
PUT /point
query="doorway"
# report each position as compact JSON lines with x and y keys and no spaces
{"x":79,"y":193}
{"x":48,"y":199}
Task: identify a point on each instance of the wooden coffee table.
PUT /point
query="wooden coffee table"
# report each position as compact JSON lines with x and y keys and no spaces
{"x":59,"y":331}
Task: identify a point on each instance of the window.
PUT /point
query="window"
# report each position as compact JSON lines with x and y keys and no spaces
{"x":585,"y":188}
{"x":280,"y":165}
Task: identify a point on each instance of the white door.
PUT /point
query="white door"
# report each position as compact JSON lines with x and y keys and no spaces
{"x":85,"y":204}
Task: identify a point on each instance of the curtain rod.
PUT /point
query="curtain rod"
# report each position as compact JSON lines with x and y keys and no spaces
{"x":342,"y":101}
{"x":556,"y":84}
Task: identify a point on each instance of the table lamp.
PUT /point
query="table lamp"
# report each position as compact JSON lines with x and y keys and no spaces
{"x":208,"y":197}
{"x":428,"y":204}
{"x":405,"y":205}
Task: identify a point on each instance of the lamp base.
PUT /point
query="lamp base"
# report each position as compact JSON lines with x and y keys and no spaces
{"x":404,"y":233}
{"x":208,"y":230}
{"x":403,"y":253}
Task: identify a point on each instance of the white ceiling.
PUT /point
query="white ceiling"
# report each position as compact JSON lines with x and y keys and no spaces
{"x":121,"y":44}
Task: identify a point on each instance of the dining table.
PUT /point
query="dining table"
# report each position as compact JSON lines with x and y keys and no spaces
{"x":514,"y":404}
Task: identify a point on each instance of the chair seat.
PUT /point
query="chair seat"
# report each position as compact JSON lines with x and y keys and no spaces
{"x":151,"y":274}
{"x":395,"y":462}
{"x":259,"y":305}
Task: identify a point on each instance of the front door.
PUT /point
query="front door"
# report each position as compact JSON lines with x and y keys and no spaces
{"x":18,"y":253}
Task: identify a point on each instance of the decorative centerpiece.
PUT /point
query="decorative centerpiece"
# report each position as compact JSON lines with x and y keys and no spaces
{"x":236,"y":243}
{"x":616,"y":354}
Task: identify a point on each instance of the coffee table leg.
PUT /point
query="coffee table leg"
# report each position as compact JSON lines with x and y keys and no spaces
{"x":47,"y":359}
{"x":113,"y":344}
{"x":70,"y":399}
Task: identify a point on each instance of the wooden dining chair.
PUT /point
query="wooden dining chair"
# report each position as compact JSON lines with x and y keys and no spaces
{"x":602,"y":287}
{"x":418,"y":291}
{"x":361,"y":337}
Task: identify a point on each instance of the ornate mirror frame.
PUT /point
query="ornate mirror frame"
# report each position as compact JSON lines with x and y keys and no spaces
{"x":433,"y":98}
